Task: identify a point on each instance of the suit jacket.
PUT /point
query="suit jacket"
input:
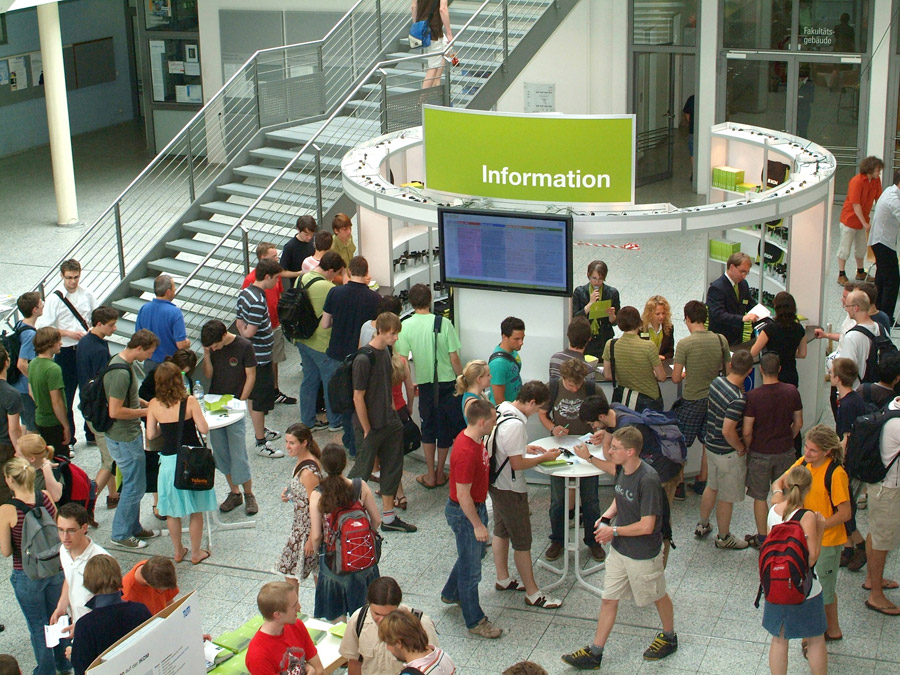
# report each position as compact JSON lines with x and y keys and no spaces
{"x":602,"y":329}
{"x":726,"y":313}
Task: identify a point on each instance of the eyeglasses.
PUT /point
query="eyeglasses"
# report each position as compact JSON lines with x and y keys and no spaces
{"x":71,"y":278}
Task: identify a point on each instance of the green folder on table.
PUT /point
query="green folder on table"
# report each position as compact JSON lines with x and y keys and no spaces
{"x":316,"y":634}
{"x":599,"y":309}
{"x":237,"y":640}
{"x":234,"y":666}
{"x":338,"y":629}
{"x":554,"y":463}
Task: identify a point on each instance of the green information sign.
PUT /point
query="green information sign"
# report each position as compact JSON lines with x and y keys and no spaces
{"x":544,"y":158}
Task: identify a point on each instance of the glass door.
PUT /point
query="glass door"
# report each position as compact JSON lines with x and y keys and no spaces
{"x":654,"y":107}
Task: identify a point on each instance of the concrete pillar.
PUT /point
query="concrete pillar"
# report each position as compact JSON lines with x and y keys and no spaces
{"x":705,"y":103}
{"x":57,"y":114}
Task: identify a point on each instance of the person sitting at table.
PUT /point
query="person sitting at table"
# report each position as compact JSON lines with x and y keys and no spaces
{"x":171,"y":406}
{"x":560,"y":417}
{"x":656,"y":326}
{"x":282,"y":644}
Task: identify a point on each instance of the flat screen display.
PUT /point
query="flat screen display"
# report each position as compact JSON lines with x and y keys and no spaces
{"x":506,"y":251}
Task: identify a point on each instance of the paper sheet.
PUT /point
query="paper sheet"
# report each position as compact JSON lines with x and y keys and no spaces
{"x":599,"y":309}
{"x":53,"y":634}
{"x":761,"y":312}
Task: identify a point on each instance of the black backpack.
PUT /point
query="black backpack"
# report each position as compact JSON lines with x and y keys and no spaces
{"x":296,"y":313}
{"x":340,"y":386}
{"x":863,"y":458}
{"x":880,"y":348}
{"x":94,"y":405}
{"x":12,"y":343}
{"x":491,"y":447}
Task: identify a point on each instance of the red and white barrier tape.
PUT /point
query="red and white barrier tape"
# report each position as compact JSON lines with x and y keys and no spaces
{"x":630,"y":246}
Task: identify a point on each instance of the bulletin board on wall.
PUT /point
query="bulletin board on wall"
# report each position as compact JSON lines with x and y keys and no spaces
{"x":86,"y":64}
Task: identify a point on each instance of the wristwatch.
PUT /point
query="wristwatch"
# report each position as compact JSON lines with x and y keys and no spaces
{"x":615,"y":531}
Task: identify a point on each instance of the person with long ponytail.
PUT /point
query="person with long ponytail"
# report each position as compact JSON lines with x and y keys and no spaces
{"x":299,"y":559}
{"x":473,"y":383}
{"x":806,"y":620}
{"x":338,"y":595}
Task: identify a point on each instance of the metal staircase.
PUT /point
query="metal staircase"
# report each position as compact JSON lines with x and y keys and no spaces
{"x":267,"y":148}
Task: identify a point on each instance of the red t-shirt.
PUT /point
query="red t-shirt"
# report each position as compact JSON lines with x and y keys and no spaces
{"x":272,"y":296}
{"x":284,"y":654}
{"x":864,"y":191}
{"x":469,"y":464}
{"x":154,"y":600}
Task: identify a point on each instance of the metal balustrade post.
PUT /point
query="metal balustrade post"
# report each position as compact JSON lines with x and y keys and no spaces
{"x":119,"y":244}
{"x":256,"y":96}
{"x":245,"y":242}
{"x":378,"y":23}
{"x":321,"y":63}
{"x":447,"y":86}
{"x":319,"y":202}
{"x":384,"y":95}
{"x":190,"y":158}
{"x":505,"y":35}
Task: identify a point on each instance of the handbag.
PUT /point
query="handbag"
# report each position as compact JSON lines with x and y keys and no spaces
{"x":412,"y":435}
{"x":420,"y":31}
{"x":195,"y":468}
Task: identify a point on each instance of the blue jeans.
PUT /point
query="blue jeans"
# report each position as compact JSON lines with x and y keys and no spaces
{"x":462,"y":586}
{"x":317,"y":368}
{"x":347,"y":438}
{"x":66,"y":361}
{"x":590,"y":507}
{"x":28,"y":410}
{"x":38,"y":599}
{"x":229,"y":446}
{"x":129,"y":457}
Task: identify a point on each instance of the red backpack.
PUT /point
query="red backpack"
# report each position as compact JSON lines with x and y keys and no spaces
{"x":76,"y":484}
{"x":352,"y":544}
{"x":785,"y":576}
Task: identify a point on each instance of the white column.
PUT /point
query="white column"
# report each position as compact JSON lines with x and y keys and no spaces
{"x":879,"y":96}
{"x":57,"y":114}
{"x":705,"y":101}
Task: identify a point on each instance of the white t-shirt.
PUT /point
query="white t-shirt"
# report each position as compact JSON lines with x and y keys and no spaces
{"x":74,"y":571}
{"x":855,"y":345}
{"x":511,"y":440}
{"x":771,"y":521}
{"x":890,"y":446}
{"x":436,"y":663}
{"x":376,"y":659}
{"x":57,"y":314}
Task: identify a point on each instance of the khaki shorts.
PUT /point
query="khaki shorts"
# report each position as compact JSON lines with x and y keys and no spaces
{"x":884,"y":517}
{"x":671,"y":485}
{"x":644,"y":580}
{"x":512,"y":519}
{"x":763,"y":470}
{"x":727,"y":475}
{"x":106,"y":460}
{"x":278,"y":354}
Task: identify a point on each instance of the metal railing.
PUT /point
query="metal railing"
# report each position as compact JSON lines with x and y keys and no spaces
{"x":275,"y":86}
{"x":388,"y":97}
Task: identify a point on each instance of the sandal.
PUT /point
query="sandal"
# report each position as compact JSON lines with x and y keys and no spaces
{"x":202,"y":557}
{"x":421,"y":481}
{"x":156,"y":513}
{"x":443,"y":482}
{"x":400,"y":503}
{"x":180,"y":558}
{"x":112,"y":502}
{"x":804,"y":646}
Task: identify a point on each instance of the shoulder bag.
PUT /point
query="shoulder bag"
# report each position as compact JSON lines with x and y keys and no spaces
{"x":195,"y":468}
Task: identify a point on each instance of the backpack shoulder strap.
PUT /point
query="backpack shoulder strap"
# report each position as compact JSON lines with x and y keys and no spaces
{"x":798,"y":515}
{"x":360,"y":620}
{"x":72,"y":309}
{"x":864,"y":331}
{"x":612,"y":360}
{"x":312,"y":281}
{"x":357,"y":488}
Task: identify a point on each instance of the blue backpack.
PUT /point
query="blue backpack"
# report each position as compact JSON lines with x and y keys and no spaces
{"x":664,"y":426}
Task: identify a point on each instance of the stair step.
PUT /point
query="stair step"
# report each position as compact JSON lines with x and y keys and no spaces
{"x":269,"y":174}
{"x":277,"y":196}
{"x":201,"y":248}
{"x":282,"y":157}
{"x":182,"y":268}
{"x":345,"y":132}
{"x":460,"y":16}
{"x":466,"y":64}
{"x":132,"y":305}
{"x":457,"y":76}
{"x":191,"y":294}
{"x":256,"y":215}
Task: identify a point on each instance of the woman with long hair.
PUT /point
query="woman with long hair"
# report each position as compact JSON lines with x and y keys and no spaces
{"x":38,"y":598}
{"x":806,"y":620}
{"x":338,"y":595}
{"x":473,"y":383}
{"x":163,"y":411}
{"x":656,"y":326}
{"x":299,"y":559}
{"x":36,"y":452}
{"x":784,"y":336}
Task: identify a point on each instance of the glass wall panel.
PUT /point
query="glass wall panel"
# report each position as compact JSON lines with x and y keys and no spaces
{"x":756,"y":93}
{"x":834,"y":26}
{"x":757,"y":24}
{"x":664,"y":23}
{"x":171,"y":15}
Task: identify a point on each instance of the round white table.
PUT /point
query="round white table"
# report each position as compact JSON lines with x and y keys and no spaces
{"x":572,"y":472}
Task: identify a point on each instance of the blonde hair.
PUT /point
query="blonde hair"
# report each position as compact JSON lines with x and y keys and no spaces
{"x":650,"y":307}
{"x":470,"y":374}
{"x":824,"y":438}
{"x":20,"y":472}
{"x":797,"y":484}
{"x":273,"y":597}
{"x":34,"y":445}
{"x":399,"y":369}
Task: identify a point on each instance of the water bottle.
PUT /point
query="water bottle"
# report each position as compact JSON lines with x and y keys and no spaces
{"x":198,"y":393}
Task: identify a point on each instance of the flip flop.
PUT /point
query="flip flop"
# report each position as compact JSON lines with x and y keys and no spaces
{"x":180,"y":558}
{"x":443,"y":482}
{"x":887,"y":584}
{"x":400,"y":503}
{"x":421,"y":481}
{"x":207,"y":556}
{"x":887,"y":611}
{"x":828,"y":638}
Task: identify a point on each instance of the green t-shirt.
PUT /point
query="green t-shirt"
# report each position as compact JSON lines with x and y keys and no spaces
{"x":635,"y":361}
{"x":44,"y":375}
{"x":702,"y":354}
{"x":317,"y":294}
{"x":115,"y":383}
{"x":417,"y":337}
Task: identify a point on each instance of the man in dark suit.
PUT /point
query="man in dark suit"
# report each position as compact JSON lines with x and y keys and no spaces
{"x":728,"y":300}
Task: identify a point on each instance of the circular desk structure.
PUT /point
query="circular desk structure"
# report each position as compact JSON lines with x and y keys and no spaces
{"x":784,"y":229}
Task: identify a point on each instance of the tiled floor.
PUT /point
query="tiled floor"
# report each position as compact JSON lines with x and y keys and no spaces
{"x":713,"y":591}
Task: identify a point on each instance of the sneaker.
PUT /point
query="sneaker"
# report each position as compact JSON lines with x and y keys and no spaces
{"x":543,"y":601}
{"x":447,"y":601}
{"x":862,"y":502}
{"x":232,"y":501}
{"x":266,"y":450}
{"x":93,"y":521}
{"x":553,"y":551}
{"x":251,"y":507}
{"x":132,"y":543}
{"x":112,"y":502}
{"x":846,"y":554}
{"x":661,"y":647}
{"x":583,"y":659}
{"x":752,"y":540}
{"x":597,"y":552}
{"x":842,"y":279}
{"x":336,"y":429}
{"x":397,"y":525}
{"x":147,"y":534}
{"x":486,"y":629}
{"x":857,"y":560}
{"x":284,"y":398}
{"x":861,"y":276}
{"x":679,"y":493}
{"x":698,"y":486}
{"x":91,"y":443}
{"x":702,"y":530}
{"x":271,"y":434}
{"x":728,"y":541}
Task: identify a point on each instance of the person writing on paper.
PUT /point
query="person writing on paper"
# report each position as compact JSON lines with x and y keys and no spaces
{"x":729,"y":301}
{"x":282,"y":644}
{"x":598,"y":302}
{"x":785,"y":337}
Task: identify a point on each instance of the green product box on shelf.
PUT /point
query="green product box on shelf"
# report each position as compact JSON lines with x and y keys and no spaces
{"x":727,"y":177}
{"x":237,"y":640}
{"x":748,"y":187}
{"x":233,"y":666}
{"x":721,"y":249}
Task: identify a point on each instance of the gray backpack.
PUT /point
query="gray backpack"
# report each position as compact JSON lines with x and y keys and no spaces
{"x":40,"y":539}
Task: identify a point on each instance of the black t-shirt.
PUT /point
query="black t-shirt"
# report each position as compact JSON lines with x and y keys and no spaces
{"x":350,"y":306}
{"x":784,"y":342}
{"x":228,"y":366}
{"x":10,"y":404}
{"x":688,"y":110}
{"x":849,"y":408}
{"x":293,"y":255}
{"x":91,"y":357}
{"x":375,"y":380}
